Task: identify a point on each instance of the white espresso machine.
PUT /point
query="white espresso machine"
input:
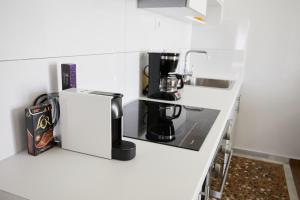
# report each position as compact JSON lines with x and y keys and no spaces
{"x":91,"y":123}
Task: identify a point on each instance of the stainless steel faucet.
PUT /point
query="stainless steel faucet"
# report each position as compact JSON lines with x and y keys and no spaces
{"x":189,"y":73}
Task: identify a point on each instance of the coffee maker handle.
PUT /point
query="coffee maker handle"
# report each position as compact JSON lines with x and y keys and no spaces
{"x":179,"y":111}
{"x":180,"y":77}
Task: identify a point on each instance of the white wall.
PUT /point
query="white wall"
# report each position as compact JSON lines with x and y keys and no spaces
{"x":270,"y":111}
{"x":268,"y":121}
{"x":225,"y":43}
{"x":108,"y":41}
{"x":221,"y":36}
{"x":34,"y":29}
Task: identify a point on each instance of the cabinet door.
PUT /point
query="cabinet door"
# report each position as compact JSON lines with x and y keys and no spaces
{"x":198,"y":5}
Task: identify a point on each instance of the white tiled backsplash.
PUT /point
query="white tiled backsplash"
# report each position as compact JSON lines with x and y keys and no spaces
{"x":116,"y":33}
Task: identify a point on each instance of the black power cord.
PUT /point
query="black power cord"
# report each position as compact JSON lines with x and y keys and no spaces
{"x":51,"y":98}
{"x":146,"y":73}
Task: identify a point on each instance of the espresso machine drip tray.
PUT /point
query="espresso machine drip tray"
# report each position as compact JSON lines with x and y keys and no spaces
{"x":168,"y":124}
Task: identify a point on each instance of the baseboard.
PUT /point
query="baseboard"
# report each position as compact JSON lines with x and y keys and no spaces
{"x":10,"y":196}
{"x":261,"y":156}
{"x":268,"y":153}
{"x":290,"y":182}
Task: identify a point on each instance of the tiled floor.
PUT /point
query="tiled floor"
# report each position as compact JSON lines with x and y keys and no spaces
{"x":254,"y":179}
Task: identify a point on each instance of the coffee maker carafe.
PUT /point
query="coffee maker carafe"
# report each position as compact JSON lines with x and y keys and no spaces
{"x":163,"y":82}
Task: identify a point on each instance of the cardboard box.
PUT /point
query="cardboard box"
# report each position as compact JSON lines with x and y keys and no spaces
{"x":39,"y":128}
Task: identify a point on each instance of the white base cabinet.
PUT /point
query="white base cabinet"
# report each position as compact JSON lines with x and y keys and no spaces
{"x":221,"y":162}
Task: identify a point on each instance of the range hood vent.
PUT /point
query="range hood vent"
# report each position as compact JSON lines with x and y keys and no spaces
{"x":187,"y":10}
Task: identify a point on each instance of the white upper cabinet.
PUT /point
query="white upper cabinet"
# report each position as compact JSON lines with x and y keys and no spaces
{"x":214,"y":12}
{"x":187,"y":10}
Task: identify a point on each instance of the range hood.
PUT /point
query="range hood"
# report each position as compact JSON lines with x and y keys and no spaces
{"x":188,"y":10}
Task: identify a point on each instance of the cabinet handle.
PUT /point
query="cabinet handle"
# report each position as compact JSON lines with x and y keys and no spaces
{"x":228,"y":129}
{"x":237,"y":109}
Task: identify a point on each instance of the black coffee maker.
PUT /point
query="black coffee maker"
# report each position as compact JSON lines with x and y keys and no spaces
{"x":163,"y":82}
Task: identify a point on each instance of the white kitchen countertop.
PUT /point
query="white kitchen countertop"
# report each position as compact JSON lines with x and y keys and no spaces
{"x":158,"y":172}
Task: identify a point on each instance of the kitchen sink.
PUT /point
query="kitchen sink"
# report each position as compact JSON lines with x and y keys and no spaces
{"x":215,"y":83}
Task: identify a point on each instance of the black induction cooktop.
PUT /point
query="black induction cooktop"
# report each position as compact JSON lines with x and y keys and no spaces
{"x":168,"y":124}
